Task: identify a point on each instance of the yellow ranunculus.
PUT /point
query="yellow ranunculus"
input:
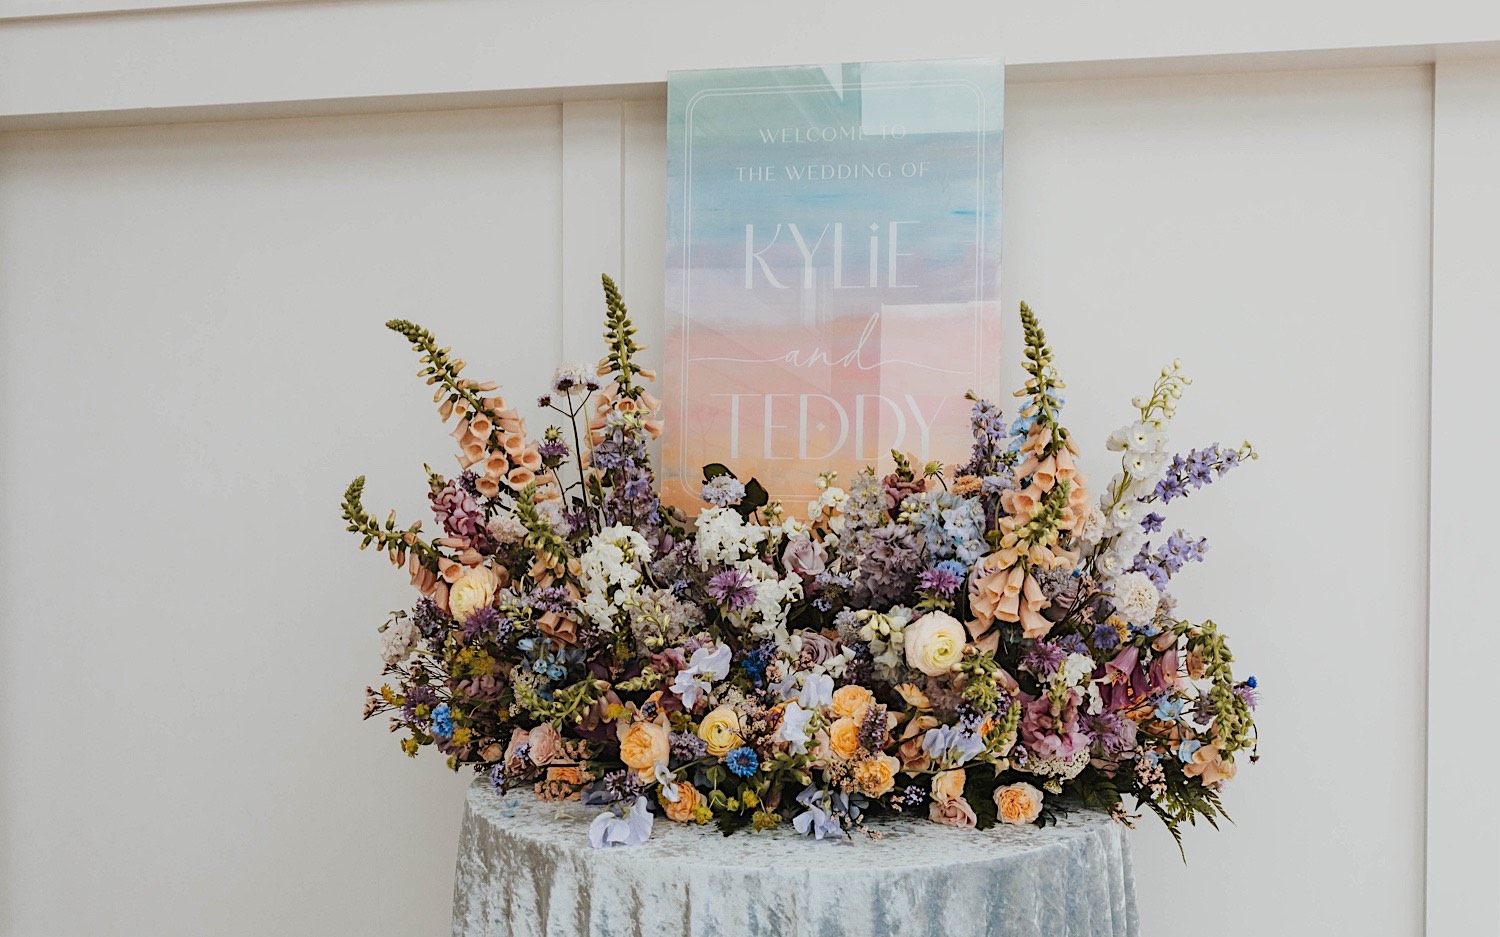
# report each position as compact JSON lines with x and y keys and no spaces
{"x":721,"y":730}
{"x":474,"y":590}
{"x":935,"y":643}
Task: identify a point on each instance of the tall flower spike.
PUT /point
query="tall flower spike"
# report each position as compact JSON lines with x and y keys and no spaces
{"x":1043,"y":382}
{"x":619,"y":336}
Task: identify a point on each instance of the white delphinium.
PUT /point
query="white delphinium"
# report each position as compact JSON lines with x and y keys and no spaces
{"x":610,"y":571}
{"x":1142,"y":445}
{"x":1135,"y":598}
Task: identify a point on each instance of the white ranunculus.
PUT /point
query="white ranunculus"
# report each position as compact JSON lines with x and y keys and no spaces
{"x":935,"y":643}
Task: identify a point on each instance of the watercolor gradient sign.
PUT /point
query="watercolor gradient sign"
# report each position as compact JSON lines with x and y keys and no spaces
{"x":833,"y":267}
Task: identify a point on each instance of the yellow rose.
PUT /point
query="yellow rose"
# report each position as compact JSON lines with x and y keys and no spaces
{"x":949,"y":785}
{"x":642,"y":746}
{"x":843,"y":738}
{"x":475,"y":589}
{"x":684,"y":808}
{"x":935,"y":643}
{"x":721,"y":730}
{"x":1018,"y":803}
{"x":852,"y":701}
{"x":877,"y":776}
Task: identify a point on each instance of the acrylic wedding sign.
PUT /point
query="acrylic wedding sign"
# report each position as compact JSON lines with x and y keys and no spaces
{"x":833,"y":267}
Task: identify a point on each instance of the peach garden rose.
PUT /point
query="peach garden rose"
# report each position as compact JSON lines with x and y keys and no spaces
{"x":1018,"y":803}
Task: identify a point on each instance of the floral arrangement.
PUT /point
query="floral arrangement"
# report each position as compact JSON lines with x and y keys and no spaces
{"x":980,"y":643}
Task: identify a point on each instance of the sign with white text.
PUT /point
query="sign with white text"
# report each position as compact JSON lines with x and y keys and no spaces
{"x":833,"y":267}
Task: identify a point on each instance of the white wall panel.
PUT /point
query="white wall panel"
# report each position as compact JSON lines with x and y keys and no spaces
{"x":1270,"y":230}
{"x":192,"y":366}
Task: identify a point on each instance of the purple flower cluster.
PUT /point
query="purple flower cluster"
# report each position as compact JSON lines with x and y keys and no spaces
{"x":1187,"y":474}
{"x":686,"y":746}
{"x":990,"y":439}
{"x":941,"y":579}
{"x":888,"y":566}
{"x":486,"y":625}
{"x":632,"y":500}
{"x":553,"y":450}
{"x":431,"y":621}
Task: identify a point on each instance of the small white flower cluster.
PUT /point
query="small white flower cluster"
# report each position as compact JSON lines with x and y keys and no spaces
{"x":1135,"y":598}
{"x":610,"y":572}
{"x":1074,"y":670}
{"x":1059,"y":769}
{"x":828,"y":507}
{"x":724,"y":537}
{"x":505,"y":529}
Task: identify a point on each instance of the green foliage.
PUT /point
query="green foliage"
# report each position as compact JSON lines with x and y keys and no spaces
{"x":619,"y":337}
{"x":398,"y":541}
{"x":979,"y":791}
{"x":1043,"y":383}
{"x":441,"y":368}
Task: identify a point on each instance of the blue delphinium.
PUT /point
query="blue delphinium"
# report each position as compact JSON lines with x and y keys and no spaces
{"x":949,"y":526}
{"x":1187,"y":474}
{"x":742,"y":761}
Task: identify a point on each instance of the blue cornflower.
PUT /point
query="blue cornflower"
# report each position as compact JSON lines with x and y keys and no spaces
{"x":1105,"y":636}
{"x":742,"y":761}
{"x":1251,"y":683}
{"x":442,"y":721}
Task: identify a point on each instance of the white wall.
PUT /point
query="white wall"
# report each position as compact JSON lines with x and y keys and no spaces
{"x":192,"y":366}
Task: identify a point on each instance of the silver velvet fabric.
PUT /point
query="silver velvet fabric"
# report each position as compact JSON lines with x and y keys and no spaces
{"x":525,"y":869}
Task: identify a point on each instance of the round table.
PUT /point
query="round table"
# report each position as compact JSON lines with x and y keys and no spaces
{"x":525,"y":869}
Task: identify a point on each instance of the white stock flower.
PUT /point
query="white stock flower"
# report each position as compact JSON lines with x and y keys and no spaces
{"x":1135,"y":598}
{"x":397,"y":641}
{"x":724,"y":537}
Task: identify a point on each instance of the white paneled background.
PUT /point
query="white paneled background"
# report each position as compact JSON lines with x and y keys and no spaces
{"x":192,"y":366}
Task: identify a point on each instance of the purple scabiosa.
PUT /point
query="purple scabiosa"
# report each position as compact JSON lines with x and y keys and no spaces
{"x":732,"y":589}
{"x":1044,"y":659}
{"x":620,"y":785}
{"x":940,"y":581}
{"x":486,"y":624}
{"x":742,"y":761}
{"x":1248,"y":692}
{"x":553,"y":450}
{"x":417,"y":696}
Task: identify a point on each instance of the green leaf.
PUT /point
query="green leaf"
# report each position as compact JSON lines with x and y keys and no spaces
{"x":714,"y":470}
{"x":756,"y":497}
{"x":980,"y":793}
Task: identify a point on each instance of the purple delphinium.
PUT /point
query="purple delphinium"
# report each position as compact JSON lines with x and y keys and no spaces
{"x":1152,"y":522}
{"x":1165,"y":561}
{"x":990,"y":438}
{"x":1105,"y":637}
{"x":632,"y":501}
{"x":1189,"y":473}
{"x":888,"y":566}
{"x":732,"y":590}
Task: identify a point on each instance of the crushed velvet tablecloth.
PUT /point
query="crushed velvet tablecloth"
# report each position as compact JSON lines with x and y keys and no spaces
{"x":525,"y":869}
